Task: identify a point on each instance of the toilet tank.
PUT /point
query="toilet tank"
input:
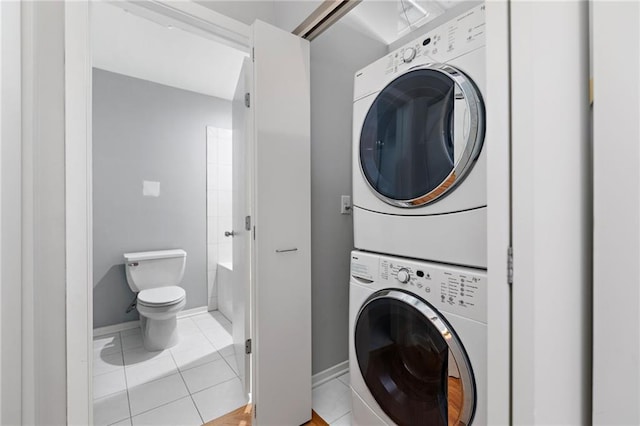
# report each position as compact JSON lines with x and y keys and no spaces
{"x":149,"y":269}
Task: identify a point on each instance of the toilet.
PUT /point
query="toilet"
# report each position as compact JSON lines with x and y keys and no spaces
{"x":155,"y":276}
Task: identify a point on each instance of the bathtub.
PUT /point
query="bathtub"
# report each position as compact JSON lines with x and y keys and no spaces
{"x":225,"y":289}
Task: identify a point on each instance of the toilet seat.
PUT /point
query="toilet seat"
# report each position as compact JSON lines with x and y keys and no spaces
{"x":161,"y":296}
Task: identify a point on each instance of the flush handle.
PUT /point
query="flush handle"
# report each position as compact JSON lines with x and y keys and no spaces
{"x":229,"y":233}
{"x":134,"y":264}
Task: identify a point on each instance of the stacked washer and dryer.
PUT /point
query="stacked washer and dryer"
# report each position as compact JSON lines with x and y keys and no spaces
{"x":418,"y":309}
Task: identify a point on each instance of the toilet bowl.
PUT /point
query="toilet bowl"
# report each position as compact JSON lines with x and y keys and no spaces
{"x":155,"y":276}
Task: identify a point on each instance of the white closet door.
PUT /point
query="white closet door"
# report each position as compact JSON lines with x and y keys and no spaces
{"x":282,"y":212}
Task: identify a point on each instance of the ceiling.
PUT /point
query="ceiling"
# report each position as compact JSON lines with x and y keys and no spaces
{"x":390,"y":20}
{"x":127,"y":44}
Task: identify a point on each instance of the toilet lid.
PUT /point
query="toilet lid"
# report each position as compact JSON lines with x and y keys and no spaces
{"x":160,"y":296}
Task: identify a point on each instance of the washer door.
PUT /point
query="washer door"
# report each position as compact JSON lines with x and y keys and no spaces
{"x":422,"y":135}
{"x":412,"y":361}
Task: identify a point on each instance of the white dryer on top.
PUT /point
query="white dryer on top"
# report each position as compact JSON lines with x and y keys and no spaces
{"x":419,"y":167}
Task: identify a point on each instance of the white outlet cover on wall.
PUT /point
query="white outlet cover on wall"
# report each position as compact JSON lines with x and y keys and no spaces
{"x":150,"y":188}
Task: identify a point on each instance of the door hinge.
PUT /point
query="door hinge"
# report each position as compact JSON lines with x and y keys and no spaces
{"x":247,"y":99}
{"x":254,"y":233}
{"x":510,"y":265}
{"x":247,"y":347}
{"x":247,"y":223}
{"x":253,"y":54}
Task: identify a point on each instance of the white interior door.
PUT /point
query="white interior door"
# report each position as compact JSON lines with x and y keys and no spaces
{"x":241,"y":209}
{"x":281,"y":276}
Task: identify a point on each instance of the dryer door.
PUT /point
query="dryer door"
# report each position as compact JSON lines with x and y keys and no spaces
{"x":422,"y":135}
{"x":413,"y":362}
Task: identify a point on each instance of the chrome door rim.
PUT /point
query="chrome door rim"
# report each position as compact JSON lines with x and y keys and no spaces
{"x":448,"y":334}
{"x":473,"y":145}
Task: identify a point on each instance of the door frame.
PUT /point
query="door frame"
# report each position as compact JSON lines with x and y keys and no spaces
{"x":78,"y":176}
{"x":11,"y":169}
{"x":498,"y":132}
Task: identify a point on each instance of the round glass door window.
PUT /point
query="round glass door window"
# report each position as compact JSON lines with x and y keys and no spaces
{"x":422,"y":135}
{"x":413,"y":362}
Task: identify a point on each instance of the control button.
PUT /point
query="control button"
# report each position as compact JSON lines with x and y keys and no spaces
{"x":408,"y":54}
{"x":420,"y":274}
{"x":426,"y":41}
{"x":403,"y":275}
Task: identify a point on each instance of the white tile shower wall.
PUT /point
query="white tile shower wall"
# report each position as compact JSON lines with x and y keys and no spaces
{"x":219,"y":208}
{"x":223,"y":280}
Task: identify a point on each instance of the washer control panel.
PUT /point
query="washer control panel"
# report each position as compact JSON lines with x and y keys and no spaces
{"x":453,"y":289}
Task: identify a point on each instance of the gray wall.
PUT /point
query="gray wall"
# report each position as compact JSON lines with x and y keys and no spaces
{"x":335,"y":57}
{"x":147,"y":131}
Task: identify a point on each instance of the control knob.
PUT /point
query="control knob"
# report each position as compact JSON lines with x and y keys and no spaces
{"x":408,"y":54}
{"x":403,"y":275}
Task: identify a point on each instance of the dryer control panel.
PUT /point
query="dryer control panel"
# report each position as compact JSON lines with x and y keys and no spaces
{"x":453,"y":289}
{"x":444,"y":43}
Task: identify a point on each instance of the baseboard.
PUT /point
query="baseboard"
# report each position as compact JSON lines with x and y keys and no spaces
{"x":329,"y":374}
{"x":110,"y":329}
{"x":193,"y":311}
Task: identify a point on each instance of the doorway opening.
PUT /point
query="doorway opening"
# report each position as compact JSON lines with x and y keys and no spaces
{"x":162,"y":202}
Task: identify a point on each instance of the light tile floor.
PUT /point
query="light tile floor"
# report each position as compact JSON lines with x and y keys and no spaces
{"x":189,"y":384}
{"x":332,"y":401}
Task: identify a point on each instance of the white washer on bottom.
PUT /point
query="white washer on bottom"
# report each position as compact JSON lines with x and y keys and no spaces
{"x":417,"y":342}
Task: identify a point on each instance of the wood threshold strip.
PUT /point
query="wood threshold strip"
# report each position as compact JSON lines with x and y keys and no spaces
{"x":243,"y":415}
{"x":327,"y":14}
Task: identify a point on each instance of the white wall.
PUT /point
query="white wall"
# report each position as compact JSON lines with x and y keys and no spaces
{"x":616,"y":301}
{"x":245,"y":11}
{"x":10,"y":214}
{"x":551,"y":213}
{"x":290,"y":14}
{"x":44,"y":275}
{"x":125,"y":43}
{"x":498,"y":138}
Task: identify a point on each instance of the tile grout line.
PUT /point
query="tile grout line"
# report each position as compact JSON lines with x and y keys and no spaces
{"x":155,"y":380}
{"x":217,"y":384}
{"x":121,"y":353}
{"x":216,"y":347}
{"x":188,"y":390}
{"x":151,"y":381}
{"x":126,"y":382}
{"x":170,"y":353}
{"x":160,"y":406}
